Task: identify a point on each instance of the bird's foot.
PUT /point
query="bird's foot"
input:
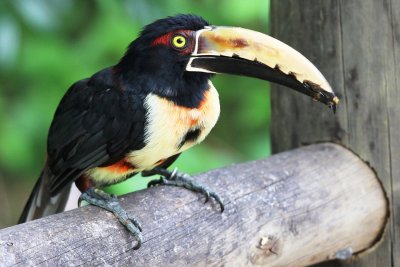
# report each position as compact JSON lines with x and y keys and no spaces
{"x":175,"y":178}
{"x":108,"y":202}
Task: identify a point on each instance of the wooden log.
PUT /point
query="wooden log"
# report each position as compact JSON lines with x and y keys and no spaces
{"x":356,"y":45}
{"x":293,"y":209}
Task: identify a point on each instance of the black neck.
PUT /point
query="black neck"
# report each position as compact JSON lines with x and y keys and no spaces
{"x":165,"y":77}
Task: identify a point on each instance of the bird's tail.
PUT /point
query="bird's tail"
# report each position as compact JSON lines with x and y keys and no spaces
{"x":41,"y":203}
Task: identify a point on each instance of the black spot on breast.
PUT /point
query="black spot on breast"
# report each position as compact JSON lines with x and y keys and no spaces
{"x":190,"y":136}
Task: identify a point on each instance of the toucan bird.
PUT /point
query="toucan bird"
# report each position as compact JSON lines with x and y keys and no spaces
{"x":156,"y":102}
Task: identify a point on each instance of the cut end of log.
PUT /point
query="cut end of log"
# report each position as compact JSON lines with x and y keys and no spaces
{"x":385,"y":216}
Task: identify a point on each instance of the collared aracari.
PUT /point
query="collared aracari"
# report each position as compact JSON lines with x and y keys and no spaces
{"x":158,"y":101}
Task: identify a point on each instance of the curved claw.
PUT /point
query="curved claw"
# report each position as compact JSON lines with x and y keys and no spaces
{"x":80,"y":199}
{"x":210,"y":194}
{"x":138,"y":239}
{"x":153,"y":183}
{"x":138,"y":244}
{"x":218,"y":200}
{"x":156,"y":182}
{"x":207,"y":195}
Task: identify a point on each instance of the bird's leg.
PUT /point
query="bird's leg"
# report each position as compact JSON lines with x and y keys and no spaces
{"x":175,"y":178}
{"x":108,"y":202}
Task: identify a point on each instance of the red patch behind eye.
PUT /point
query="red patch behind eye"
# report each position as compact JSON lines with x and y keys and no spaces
{"x":166,"y":38}
{"x":162,"y":40}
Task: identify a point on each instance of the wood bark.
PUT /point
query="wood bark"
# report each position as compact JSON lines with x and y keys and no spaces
{"x":293,"y":209}
{"x":356,"y":45}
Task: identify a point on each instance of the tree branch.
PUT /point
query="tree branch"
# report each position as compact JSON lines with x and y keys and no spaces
{"x":296,"y":208}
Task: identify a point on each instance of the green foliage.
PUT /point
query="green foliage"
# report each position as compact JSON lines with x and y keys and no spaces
{"x":48,"y":45}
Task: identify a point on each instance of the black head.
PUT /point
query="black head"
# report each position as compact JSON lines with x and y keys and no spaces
{"x":170,"y":24}
{"x":158,"y":57}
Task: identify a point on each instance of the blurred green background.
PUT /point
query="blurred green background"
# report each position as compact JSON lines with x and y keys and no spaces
{"x":47,"y":45}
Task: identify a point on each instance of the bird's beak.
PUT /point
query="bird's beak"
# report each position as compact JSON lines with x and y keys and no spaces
{"x":250,"y":53}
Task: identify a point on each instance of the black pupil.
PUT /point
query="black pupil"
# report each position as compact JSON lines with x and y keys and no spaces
{"x":180,"y":40}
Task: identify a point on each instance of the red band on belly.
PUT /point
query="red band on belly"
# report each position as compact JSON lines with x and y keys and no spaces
{"x":120,"y":167}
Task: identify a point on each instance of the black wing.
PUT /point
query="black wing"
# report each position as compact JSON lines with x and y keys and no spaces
{"x":96,"y":124}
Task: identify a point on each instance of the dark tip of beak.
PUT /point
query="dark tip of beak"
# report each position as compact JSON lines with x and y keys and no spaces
{"x":318,"y":94}
{"x":333,"y":107}
{"x":334,"y":103}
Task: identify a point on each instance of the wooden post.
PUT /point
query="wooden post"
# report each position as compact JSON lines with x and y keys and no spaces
{"x":356,"y":45}
{"x":293,"y":209}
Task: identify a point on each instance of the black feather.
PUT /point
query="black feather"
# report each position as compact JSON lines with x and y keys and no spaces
{"x":92,"y":126}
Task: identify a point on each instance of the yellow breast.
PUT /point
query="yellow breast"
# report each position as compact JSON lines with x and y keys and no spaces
{"x":167,"y":125}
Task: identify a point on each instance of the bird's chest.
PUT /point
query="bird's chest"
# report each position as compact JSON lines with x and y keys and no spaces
{"x":171,"y":129}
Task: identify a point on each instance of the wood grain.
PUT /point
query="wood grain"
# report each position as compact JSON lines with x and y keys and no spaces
{"x":356,"y":46}
{"x":292,"y":209}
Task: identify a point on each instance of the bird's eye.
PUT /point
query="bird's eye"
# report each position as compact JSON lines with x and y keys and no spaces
{"x":179,"y":41}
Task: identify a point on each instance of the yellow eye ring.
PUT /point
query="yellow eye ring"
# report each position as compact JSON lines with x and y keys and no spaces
{"x":179,"y":41}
